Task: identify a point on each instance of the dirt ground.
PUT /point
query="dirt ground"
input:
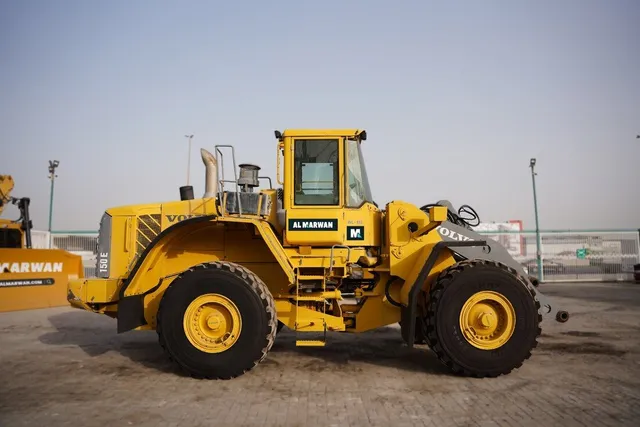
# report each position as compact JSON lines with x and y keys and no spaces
{"x":65,"y":367}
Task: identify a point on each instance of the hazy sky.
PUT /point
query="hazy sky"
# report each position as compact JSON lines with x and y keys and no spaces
{"x":456,"y":98}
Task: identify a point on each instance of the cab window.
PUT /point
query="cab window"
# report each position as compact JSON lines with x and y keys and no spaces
{"x":316,"y":172}
{"x":357,"y":182}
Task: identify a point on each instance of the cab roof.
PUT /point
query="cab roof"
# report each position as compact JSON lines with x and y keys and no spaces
{"x":321,"y":132}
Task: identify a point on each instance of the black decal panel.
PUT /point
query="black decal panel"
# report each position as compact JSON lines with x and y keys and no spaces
{"x":355,"y":232}
{"x":312,"y":224}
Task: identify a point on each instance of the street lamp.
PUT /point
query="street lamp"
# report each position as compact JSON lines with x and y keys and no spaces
{"x":190,"y":137}
{"x":532,"y":164}
{"x":53,"y":164}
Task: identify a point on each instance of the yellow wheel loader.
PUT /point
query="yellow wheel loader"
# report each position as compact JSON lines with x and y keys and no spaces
{"x":30,"y":278}
{"x":217,"y":276}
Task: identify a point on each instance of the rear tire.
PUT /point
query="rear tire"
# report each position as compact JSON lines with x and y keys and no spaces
{"x":211,"y":303}
{"x":502,"y":326}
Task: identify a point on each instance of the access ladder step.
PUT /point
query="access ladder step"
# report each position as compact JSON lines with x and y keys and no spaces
{"x":311,"y":327}
{"x":310,"y":343}
{"x":303,"y":277}
{"x":306,"y":298}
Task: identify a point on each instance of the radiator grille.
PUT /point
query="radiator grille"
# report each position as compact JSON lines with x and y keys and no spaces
{"x":148,"y":229}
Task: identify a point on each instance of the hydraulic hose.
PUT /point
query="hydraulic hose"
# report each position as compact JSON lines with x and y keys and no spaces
{"x":465,"y":217}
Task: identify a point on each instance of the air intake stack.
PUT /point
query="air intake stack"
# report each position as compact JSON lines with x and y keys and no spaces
{"x":211,"y":173}
{"x":248,"y":178}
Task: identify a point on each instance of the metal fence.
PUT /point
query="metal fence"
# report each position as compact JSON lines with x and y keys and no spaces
{"x":582,"y":255}
{"x":83,"y":243}
{"x":588,"y":255}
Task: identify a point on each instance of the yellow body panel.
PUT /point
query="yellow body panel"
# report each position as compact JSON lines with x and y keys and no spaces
{"x":214,"y":240}
{"x":408,"y":253}
{"x":376,"y":312}
{"x":369,"y":217}
{"x":175,"y":212}
{"x":134,"y":227}
{"x":287,"y":315}
{"x":249,"y":242}
{"x":95,"y":291}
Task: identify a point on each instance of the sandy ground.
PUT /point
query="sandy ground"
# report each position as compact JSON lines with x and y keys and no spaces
{"x":65,"y":367}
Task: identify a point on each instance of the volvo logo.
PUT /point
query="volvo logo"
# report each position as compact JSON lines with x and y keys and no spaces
{"x":178,"y":218}
{"x":453,"y":235}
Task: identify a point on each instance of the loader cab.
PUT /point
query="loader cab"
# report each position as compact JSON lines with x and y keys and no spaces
{"x":327,"y":199}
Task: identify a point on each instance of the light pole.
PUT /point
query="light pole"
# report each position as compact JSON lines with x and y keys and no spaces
{"x":53,"y":164}
{"x":190,"y":137}
{"x":532,"y":164}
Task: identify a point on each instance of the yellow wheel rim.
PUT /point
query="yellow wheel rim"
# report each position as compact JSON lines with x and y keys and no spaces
{"x":212,"y":323}
{"x":487,"y":320}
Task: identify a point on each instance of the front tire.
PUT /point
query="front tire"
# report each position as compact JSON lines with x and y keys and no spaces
{"x":482,"y":320}
{"x":217,"y":320}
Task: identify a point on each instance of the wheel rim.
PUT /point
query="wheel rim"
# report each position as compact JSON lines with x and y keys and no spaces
{"x":487,"y":320}
{"x":212,"y":323}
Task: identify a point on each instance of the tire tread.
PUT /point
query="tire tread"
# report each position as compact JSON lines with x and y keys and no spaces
{"x":443,"y":279}
{"x":256,"y":284}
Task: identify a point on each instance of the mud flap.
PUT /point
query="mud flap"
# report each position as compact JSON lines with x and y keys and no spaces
{"x":131,"y":309}
{"x":131,"y":313}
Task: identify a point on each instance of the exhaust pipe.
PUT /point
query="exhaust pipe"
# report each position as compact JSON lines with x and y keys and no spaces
{"x":211,"y":173}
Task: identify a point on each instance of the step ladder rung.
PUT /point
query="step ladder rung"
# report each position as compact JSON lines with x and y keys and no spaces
{"x":317,"y":324}
{"x":310,"y":343}
{"x":313,"y":325}
{"x":303,"y":298}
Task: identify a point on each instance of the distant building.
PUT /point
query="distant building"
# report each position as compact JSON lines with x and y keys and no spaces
{"x":508,"y":234}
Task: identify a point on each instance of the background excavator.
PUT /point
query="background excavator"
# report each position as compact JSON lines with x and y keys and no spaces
{"x":30,"y":278}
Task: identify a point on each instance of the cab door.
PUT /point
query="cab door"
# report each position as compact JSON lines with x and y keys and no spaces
{"x":362,"y":216}
{"x":314,"y":214}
